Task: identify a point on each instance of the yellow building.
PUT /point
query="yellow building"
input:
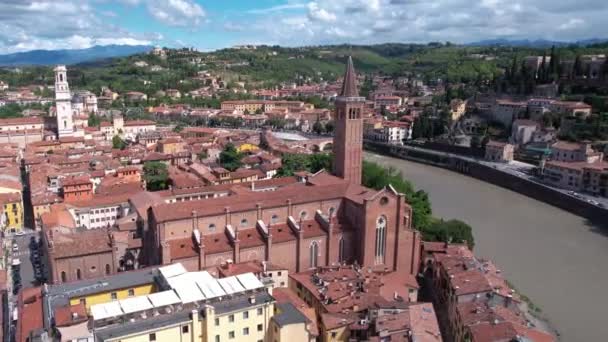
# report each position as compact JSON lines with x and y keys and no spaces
{"x":108,"y":289}
{"x":247,"y":147}
{"x":188,"y":306}
{"x":289,"y":324}
{"x":113,"y":294}
{"x":458,"y":108}
{"x":12,"y":212}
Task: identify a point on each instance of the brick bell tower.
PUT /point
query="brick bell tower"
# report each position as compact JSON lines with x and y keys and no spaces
{"x":348,"y":138}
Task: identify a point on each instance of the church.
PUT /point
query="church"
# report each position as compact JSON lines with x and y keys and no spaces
{"x":317,"y":220}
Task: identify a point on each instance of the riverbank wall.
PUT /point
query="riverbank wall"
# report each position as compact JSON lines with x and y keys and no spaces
{"x":468,"y":166}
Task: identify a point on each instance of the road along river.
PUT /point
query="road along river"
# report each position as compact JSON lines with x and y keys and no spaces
{"x":557,"y":259}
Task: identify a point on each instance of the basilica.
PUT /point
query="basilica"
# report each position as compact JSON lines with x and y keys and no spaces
{"x":299,"y":223}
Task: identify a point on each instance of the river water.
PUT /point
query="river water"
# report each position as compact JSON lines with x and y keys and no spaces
{"x":557,"y":259}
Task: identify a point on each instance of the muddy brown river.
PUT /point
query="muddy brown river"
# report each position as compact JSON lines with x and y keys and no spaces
{"x":557,"y":259}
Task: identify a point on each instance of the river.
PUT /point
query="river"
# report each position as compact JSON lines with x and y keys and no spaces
{"x":557,"y":259}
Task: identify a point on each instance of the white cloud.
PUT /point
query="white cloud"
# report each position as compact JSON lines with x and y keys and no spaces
{"x":572,"y":24}
{"x":57,"y":24}
{"x":320,"y":14}
{"x":181,"y":13}
{"x":418,"y":21}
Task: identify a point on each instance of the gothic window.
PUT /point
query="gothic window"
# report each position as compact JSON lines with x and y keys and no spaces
{"x":380,"y":239}
{"x":314,"y":253}
{"x":341,"y":256}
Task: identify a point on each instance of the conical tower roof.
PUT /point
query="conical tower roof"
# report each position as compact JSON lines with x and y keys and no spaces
{"x":349,"y":87}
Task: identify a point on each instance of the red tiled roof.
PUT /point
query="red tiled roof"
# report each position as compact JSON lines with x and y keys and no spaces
{"x":30,"y":319}
{"x":70,"y":315}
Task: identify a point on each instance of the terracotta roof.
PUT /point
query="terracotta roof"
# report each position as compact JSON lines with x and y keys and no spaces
{"x":30,"y":319}
{"x":77,"y":243}
{"x":182,"y":248}
{"x":139,"y":123}
{"x":21,"y":121}
{"x":321,"y":186}
{"x":58,"y":216}
{"x":565,"y":145}
{"x":70,"y":315}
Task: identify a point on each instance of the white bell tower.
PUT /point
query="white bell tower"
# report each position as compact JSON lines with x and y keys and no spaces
{"x":63,"y":103}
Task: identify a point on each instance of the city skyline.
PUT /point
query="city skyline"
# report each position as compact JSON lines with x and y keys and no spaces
{"x":209,"y":25}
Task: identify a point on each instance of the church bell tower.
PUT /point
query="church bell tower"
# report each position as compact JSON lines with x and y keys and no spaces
{"x":63,"y":103}
{"x":348,"y":138}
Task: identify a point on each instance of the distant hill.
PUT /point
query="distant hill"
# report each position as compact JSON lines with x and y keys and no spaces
{"x":538,"y":43}
{"x":51,"y":57}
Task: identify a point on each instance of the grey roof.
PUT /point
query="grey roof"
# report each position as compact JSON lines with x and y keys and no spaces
{"x":59,"y":295}
{"x":289,"y":315}
{"x":140,"y":326}
{"x":241,"y":302}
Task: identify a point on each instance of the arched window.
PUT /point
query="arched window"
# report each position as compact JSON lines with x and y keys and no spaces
{"x":380,"y":239}
{"x":65,"y":124}
{"x":64,"y":277}
{"x":108,"y":270}
{"x":303,"y":214}
{"x":78,"y":274}
{"x":60,"y":77}
{"x":341,"y":256}
{"x":314,"y":253}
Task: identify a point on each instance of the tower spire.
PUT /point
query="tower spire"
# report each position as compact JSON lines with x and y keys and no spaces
{"x":349,"y":87}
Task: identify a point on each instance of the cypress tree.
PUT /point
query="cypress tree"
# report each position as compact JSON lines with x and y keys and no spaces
{"x":542,"y":71}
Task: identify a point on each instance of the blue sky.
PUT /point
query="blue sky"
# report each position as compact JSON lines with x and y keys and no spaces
{"x":213,"y":24}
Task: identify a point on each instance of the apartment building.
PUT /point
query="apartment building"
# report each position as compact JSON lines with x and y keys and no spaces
{"x":169,"y":304}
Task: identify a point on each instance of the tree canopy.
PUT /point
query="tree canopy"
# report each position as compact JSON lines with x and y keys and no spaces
{"x":230,"y":158}
{"x":118,"y":143}
{"x":156,"y":176}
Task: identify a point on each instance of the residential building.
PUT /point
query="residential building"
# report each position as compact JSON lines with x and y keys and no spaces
{"x":574,"y":152}
{"x":387,"y":101}
{"x":77,"y":189}
{"x":11,"y":206}
{"x":390,"y":132}
{"x":475,"y":301}
{"x":499,"y":151}
{"x":577,"y":176}
{"x":506,"y":111}
{"x":180,"y":305}
{"x":458,"y":108}
{"x":523,"y":131}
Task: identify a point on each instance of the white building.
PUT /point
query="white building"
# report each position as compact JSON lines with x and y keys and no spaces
{"x":522,"y":131}
{"x":84,"y":102}
{"x":63,"y":103}
{"x":99,"y":214}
